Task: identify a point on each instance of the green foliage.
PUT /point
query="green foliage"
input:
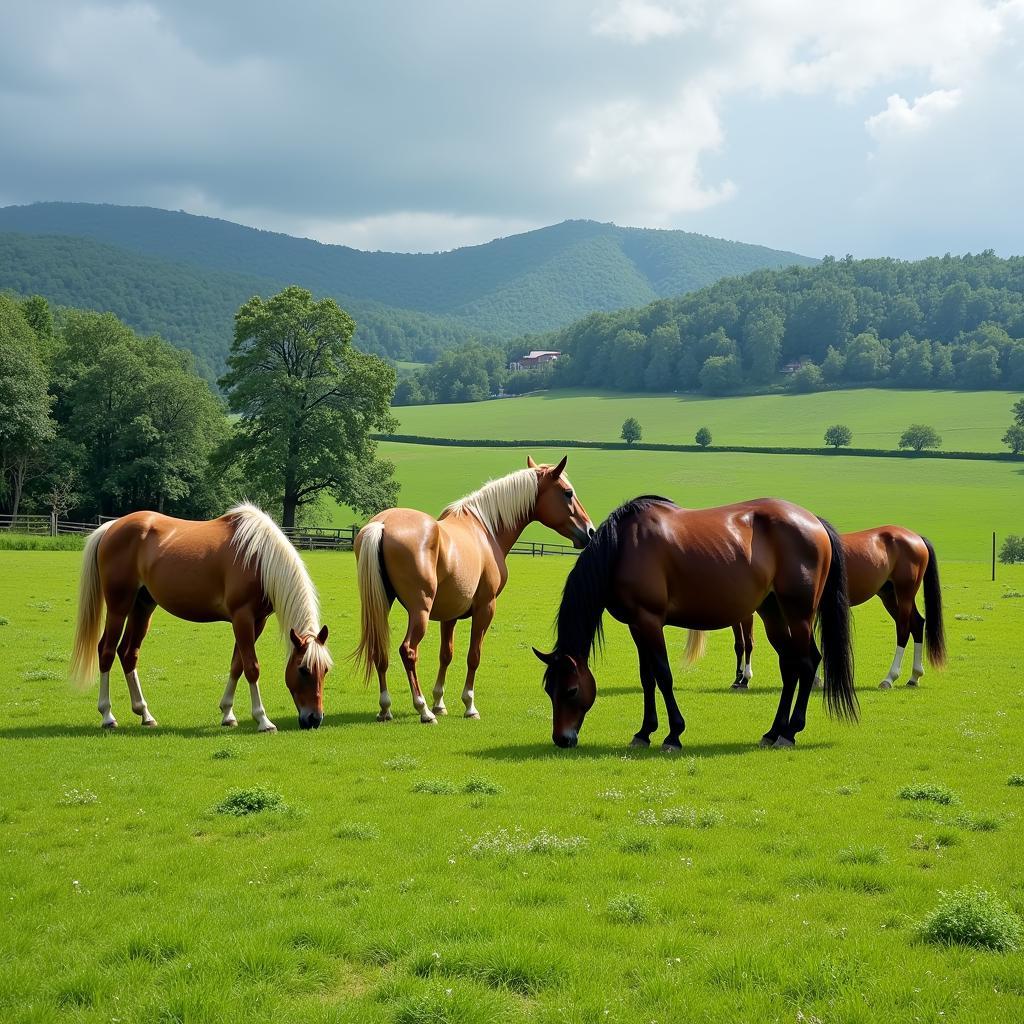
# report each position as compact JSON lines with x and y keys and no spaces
{"x":1014,"y":439}
{"x":807,"y":377}
{"x":703,"y":437}
{"x":1012,"y":550}
{"x":631,"y":430}
{"x":919,"y":436}
{"x":972,"y":917}
{"x":629,"y":908}
{"x":838,"y":436}
{"x":253,"y":800}
{"x":307,"y":404}
{"x":932,"y":791}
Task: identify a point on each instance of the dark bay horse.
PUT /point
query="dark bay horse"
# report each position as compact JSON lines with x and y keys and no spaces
{"x":653,"y":564}
{"x":239,"y":568}
{"x":452,"y":568}
{"x":892,"y":563}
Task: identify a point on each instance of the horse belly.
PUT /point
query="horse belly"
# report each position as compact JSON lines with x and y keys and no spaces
{"x":454,"y":599}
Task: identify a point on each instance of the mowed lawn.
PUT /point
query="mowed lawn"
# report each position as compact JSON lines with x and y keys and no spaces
{"x":956,"y":503}
{"x":967,"y":420}
{"x":471,"y":872}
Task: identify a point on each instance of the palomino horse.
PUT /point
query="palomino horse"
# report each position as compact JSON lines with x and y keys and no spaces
{"x":452,"y":568}
{"x":653,"y":564}
{"x":240,"y":568}
{"x":892,"y":563}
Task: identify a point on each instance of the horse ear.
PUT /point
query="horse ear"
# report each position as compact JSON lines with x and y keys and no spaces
{"x":557,"y":471}
{"x":296,"y":640}
{"x":321,"y":637}
{"x":548,"y":659}
{"x":530,"y":464}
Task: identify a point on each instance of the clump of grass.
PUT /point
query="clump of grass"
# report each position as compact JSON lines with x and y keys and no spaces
{"x":479,"y":785}
{"x":39,"y":675}
{"x":254,"y":800}
{"x":460,"y":1004}
{"x":436,"y":787}
{"x":686,"y":817}
{"x":1015,"y":780}
{"x":972,"y":917}
{"x":509,"y":965}
{"x":970,"y":637}
{"x":78,"y":798}
{"x":976,"y":822}
{"x":4,"y":621}
{"x":629,"y":908}
{"x":45,"y":606}
{"x":932,"y":791}
{"x":968,"y":618}
{"x":548,"y":843}
{"x":502,"y":842}
{"x":1012,"y":593}
{"x":611,"y":794}
{"x":402,"y":763}
{"x":224,"y":754}
{"x":862,"y":855}
{"x":357,"y":830}
{"x":849,"y":789}
{"x":634,"y":841}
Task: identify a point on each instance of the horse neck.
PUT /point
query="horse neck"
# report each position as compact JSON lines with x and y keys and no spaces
{"x":506,"y":537}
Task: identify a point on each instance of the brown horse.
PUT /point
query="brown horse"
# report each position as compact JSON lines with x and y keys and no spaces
{"x":452,"y":568}
{"x":239,"y":568}
{"x":892,"y":563}
{"x":653,"y":564}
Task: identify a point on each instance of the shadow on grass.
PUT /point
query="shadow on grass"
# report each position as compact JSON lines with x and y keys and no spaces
{"x":593,"y":751}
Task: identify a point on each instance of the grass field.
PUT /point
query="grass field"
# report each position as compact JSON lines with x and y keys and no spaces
{"x":967,"y":420}
{"x":957,"y":504}
{"x":471,"y":872}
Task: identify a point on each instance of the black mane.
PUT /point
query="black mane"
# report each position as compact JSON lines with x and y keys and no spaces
{"x":585,"y":595}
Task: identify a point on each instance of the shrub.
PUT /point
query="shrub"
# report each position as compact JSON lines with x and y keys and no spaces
{"x":919,"y":436}
{"x":972,"y":917}
{"x":1012,"y":550}
{"x":928,"y":791}
{"x":254,"y":800}
{"x":838,"y":436}
{"x":703,"y":437}
{"x":631,"y":430}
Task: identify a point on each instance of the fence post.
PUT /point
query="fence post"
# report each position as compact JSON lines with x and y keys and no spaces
{"x":53,"y":524}
{"x":993,"y":556}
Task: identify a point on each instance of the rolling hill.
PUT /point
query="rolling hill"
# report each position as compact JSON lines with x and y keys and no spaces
{"x":525,"y":283}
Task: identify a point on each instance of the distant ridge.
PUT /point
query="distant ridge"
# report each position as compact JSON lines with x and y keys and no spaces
{"x":536,"y":281}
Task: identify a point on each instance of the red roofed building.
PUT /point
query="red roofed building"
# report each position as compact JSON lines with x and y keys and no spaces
{"x":534,"y":359}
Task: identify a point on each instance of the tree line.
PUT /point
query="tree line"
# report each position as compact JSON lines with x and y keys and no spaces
{"x":98,"y":420}
{"x":945,"y":322}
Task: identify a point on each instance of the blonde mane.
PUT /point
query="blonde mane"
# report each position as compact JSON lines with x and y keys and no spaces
{"x":258,"y":542}
{"x":500,"y":504}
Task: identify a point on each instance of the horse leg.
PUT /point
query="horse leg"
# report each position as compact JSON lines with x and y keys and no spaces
{"x":651,"y":633}
{"x":777,"y":631}
{"x":481,"y":622}
{"x":227,"y":702}
{"x":113,"y":627}
{"x":128,"y":652}
{"x":247,"y":631}
{"x":808,"y":670}
{"x":748,"y":650}
{"x":384,"y":715}
{"x":737,"y":646}
{"x":917,"y":632}
{"x":410,"y":653}
{"x":899,"y":611}
{"x":444,"y":660}
{"x":647,"y":681}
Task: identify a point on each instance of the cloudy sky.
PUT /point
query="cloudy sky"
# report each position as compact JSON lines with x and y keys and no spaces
{"x":821,"y":126}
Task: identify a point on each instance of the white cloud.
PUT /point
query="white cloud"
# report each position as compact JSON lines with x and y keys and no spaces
{"x":901,"y":118}
{"x":639,"y":21}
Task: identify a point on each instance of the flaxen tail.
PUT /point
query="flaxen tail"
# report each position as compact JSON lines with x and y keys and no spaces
{"x":696,"y":642}
{"x":934,"y":628}
{"x":375,"y":630}
{"x":85,"y":657}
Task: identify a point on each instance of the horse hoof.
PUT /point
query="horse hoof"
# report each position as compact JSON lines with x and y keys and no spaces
{"x":439,"y":709}
{"x":671,"y":748}
{"x":231,"y":723}
{"x":912,"y":682}
{"x":151,"y":724}
{"x":267,"y":728}
{"x":767,"y":741}
{"x":428,"y":721}
{"x":740,"y":686}
{"x":885,"y":684}
{"x":112,"y":724}
{"x":471,"y":714}
{"x":782,"y":743}
{"x":385,"y":716}
{"x":639,"y":741}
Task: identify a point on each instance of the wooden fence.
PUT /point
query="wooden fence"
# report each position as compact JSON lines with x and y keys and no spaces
{"x":305,"y":538}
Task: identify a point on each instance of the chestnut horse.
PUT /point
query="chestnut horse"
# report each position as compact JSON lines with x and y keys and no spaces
{"x":889,"y":562}
{"x":452,"y":568}
{"x":653,"y":564}
{"x":239,"y":568}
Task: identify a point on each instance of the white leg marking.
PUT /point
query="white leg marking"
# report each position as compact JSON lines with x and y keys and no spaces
{"x":227,"y":703}
{"x":467,"y":699}
{"x":439,"y":708}
{"x":748,"y":670}
{"x":894,"y":669}
{"x":385,"y":707}
{"x":426,"y":715}
{"x":918,"y":670}
{"x":103,"y":704}
{"x":264,"y":724}
{"x":138,"y":700}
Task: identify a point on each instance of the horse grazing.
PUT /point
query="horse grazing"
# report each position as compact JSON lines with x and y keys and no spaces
{"x":452,"y":568}
{"x":653,"y":564}
{"x":892,"y":563}
{"x":240,"y":568}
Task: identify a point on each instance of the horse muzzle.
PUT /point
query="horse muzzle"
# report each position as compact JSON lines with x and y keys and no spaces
{"x":566,"y":740}
{"x":310,"y":719}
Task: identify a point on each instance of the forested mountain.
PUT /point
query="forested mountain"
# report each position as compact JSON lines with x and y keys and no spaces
{"x":535,"y":281}
{"x":951,"y":321}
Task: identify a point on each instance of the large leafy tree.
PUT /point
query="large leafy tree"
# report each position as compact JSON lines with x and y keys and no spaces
{"x":307,"y":403}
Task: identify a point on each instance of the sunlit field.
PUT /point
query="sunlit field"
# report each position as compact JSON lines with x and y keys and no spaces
{"x":472,"y":872}
{"x":967,"y":420}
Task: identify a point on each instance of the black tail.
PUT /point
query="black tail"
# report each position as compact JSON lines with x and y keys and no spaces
{"x":934,"y":628}
{"x":836,"y":636}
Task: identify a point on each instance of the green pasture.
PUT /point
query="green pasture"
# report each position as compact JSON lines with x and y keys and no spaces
{"x":471,"y":872}
{"x":967,"y":420}
{"x":956,"y":503}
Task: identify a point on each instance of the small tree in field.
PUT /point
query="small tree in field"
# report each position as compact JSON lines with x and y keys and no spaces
{"x":1014,"y":439}
{"x":1012,"y":550}
{"x":920,"y":436}
{"x":631,"y":432}
{"x":703,"y":437}
{"x":838,"y":436}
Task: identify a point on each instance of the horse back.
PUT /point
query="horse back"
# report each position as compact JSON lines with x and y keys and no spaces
{"x":883,"y":553}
